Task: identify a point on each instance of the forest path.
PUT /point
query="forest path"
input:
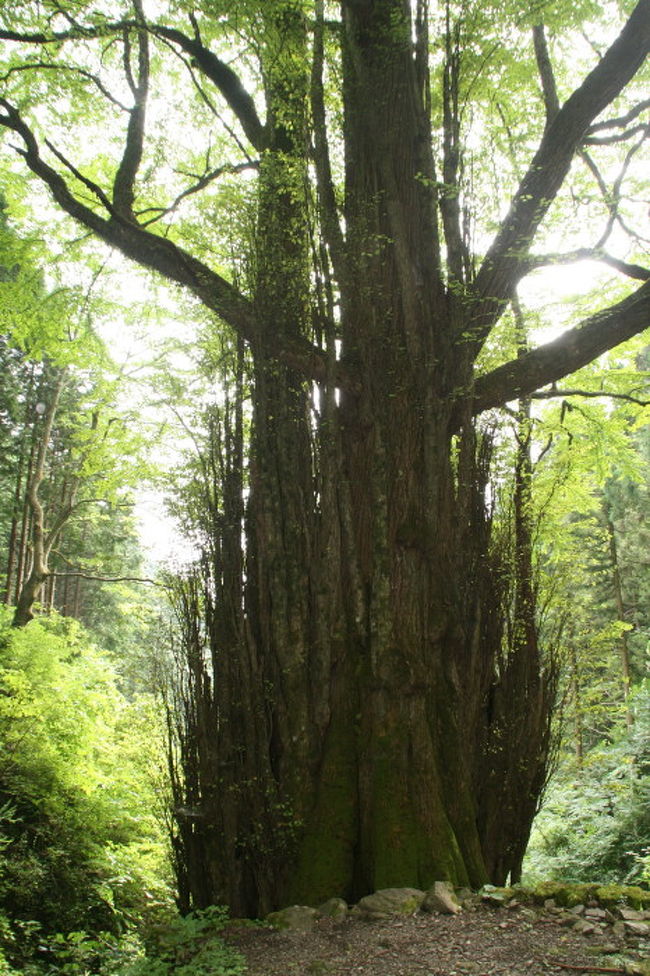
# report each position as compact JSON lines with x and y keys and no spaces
{"x":483,"y":941}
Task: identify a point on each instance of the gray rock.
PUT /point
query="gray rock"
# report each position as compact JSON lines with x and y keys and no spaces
{"x":567,"y":921}
{"x":296,"y":918}
{"x":466,"y":894}
{"x":584,"y":927}
{"x":607,"y":949}
{"x":495,"y":896}
{"x":334,"y":908}
{"x":636,"y":928}
{"x":596,"y":914}
{"x":441,"y":899}
{"x":631,"y":914}
{"x":390,"y":901}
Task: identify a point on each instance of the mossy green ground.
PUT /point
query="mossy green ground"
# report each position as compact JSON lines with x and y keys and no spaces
{"x":569,"y":895}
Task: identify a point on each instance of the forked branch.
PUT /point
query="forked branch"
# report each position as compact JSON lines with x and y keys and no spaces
{"x":505,"y":261}
{"x":124,"y":183}
{"x":169,"y":259}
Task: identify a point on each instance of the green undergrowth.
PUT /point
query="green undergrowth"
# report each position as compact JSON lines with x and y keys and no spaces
{"x":190,"y":946}
{"x":171,"y":946}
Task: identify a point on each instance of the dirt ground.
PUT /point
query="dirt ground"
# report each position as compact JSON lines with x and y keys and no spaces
{"x":481,"y":941}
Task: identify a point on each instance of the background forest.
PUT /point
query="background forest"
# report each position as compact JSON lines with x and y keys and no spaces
{"x":114,"y":391}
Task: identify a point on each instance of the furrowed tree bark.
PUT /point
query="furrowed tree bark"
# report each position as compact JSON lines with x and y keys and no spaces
{"x":375,"y":637}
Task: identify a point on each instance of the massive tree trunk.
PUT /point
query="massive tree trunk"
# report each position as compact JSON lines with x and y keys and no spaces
{"x":409,"y":812}
{"x":372,"y":624}
{"x":349,"y":717}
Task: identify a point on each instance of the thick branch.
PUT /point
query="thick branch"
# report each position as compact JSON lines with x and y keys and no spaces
{"x":161,"y":255}
{"x":546,"y":75}
{"x":219,"y":73}
{"x":54,"y":37}
{"x":156,"y":253}
{"x":624,"y":136}
{"x":124,"y":183}
{"x":505,"y":261}
{"x":449,"y":198}
{"x":326,"y":196}
{"x":572,"y":350}
{"x":225,"y":80}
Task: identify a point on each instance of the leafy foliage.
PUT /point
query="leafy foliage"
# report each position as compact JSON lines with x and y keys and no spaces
{"x":595,"y":824}
{"x":82,"y":848}
{"x":95,"y":452}
{"x":190,"y":946}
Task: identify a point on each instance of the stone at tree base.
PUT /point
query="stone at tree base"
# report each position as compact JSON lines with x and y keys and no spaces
{"x":335,"y":908}
{"x":584,"y":927}
{"x":496,"y":896}
{"x":568,"y":921}
{"x":598,"y":915}
{"x":295,"y":918}
{"x":441,"y":899}
{"x":390,"y":901}
{"x":631,"y":915}
{"x":467,"y":898}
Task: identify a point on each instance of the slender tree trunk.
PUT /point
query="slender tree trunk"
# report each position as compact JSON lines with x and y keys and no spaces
{"x":19,"y":501}
{"x":41,"y":542}
{"x":521,"y":698}
{"x":623,"y":645}
{"x":25,"y":521}
{"x":12,"y":553}
{"x":576,"y":692}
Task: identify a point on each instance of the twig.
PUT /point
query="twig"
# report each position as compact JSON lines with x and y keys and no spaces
{"x":589,"y":969}
{"x":109,"y":579}
{"x":556,"y":392}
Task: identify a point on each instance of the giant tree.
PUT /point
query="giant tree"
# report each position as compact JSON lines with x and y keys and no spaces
{"x":354,"y":676}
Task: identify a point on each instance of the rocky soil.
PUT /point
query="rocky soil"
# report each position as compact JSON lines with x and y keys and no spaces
{"x":490,"y":936}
